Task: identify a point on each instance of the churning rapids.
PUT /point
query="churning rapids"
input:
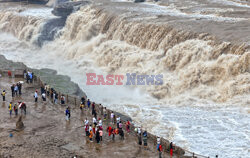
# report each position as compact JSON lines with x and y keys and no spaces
{"x":200,"y":46}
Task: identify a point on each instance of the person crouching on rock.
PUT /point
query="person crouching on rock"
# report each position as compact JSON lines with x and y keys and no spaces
{"x":23,"y":107}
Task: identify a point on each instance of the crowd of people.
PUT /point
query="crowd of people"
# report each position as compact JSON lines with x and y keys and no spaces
{"x":94,"y":130}
{"x":16,"y":91}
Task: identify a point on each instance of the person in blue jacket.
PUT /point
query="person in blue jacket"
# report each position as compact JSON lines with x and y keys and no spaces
{"x":67,"y":113}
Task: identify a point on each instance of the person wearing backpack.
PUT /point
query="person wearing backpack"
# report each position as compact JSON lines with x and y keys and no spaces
{"x":145,"y":138}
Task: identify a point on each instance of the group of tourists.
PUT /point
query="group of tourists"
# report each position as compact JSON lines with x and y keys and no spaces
{"x":18,"y":105}
{"x":29,"y":76}
{"x":16,"y":89}
{"x":47,"y":92}
{"x":93,"y":130}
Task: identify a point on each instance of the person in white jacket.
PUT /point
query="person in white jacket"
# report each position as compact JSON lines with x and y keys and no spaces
{"x":36,"y":96}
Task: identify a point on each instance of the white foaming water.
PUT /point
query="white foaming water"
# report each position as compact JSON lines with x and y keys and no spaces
{"x":38,"y":12}
{"x":195,"y":124}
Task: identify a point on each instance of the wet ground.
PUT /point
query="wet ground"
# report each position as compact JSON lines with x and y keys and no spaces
{"x":48,"y":134}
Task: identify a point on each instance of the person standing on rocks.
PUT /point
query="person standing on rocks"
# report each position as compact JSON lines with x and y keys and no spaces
{"x":160,"y":151}
{"x":16,"y":109}
{"x":42,"y":89}
{"x":139,"y":139}
{"x":105,"y":113}
{"x":145,"y":138}
{"x":24,"y":73}
{"x":101,"y":133}
{"x":36,"y":96}
{"x":67,"y":113}
{"x":19,"y":88}
{"x":3,"y":95}
{"x":83,"y":100}
{"x":86,"y":123}
{"x":97,"y":136}
{"x":100,"y":124}
{"x":90,"y":135}
{"x":128,"y":126}
{"x":12,"y":90}
{"x":81,"y":107}
{"x":113,"y":133}
{"x":94,"y":121}
{"x":31,"y":77}
{"x":118,"y":121}
{"x":93,"y":108}
{"x":93,"y":128}
{"x":27,"y":78}
{"x":112,"y":115}
{"x":52,"y":94}
{"x":10,"y":108}
{"x":88,"y":103}
{"x":16,"y":89}
{"x":120,"y":125}
{"x":158,"y":142}
{"x":171,"y":149}
{"x":56,"y":97}
{"x":121,"y":133}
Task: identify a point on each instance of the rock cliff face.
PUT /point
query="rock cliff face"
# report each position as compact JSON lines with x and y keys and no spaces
{"x":65,"y":9}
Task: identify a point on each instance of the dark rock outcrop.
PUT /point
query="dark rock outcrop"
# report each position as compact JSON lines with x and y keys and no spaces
{"x":49,"y":30}
{"x":65,"y":9}
{"x":138,"y":1}
{"x":19,"y":124}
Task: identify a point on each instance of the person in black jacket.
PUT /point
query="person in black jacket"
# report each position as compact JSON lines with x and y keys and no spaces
{"x":12,"y":90}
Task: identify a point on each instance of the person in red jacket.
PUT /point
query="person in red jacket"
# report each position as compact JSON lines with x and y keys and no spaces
{"x":160,"y":150}
{"x":109,"y":129}
{"x":128,"y":126}
{"x":171,"y":149}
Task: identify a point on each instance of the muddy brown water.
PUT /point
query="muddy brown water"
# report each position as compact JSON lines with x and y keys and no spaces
{"x":48,"y":134}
